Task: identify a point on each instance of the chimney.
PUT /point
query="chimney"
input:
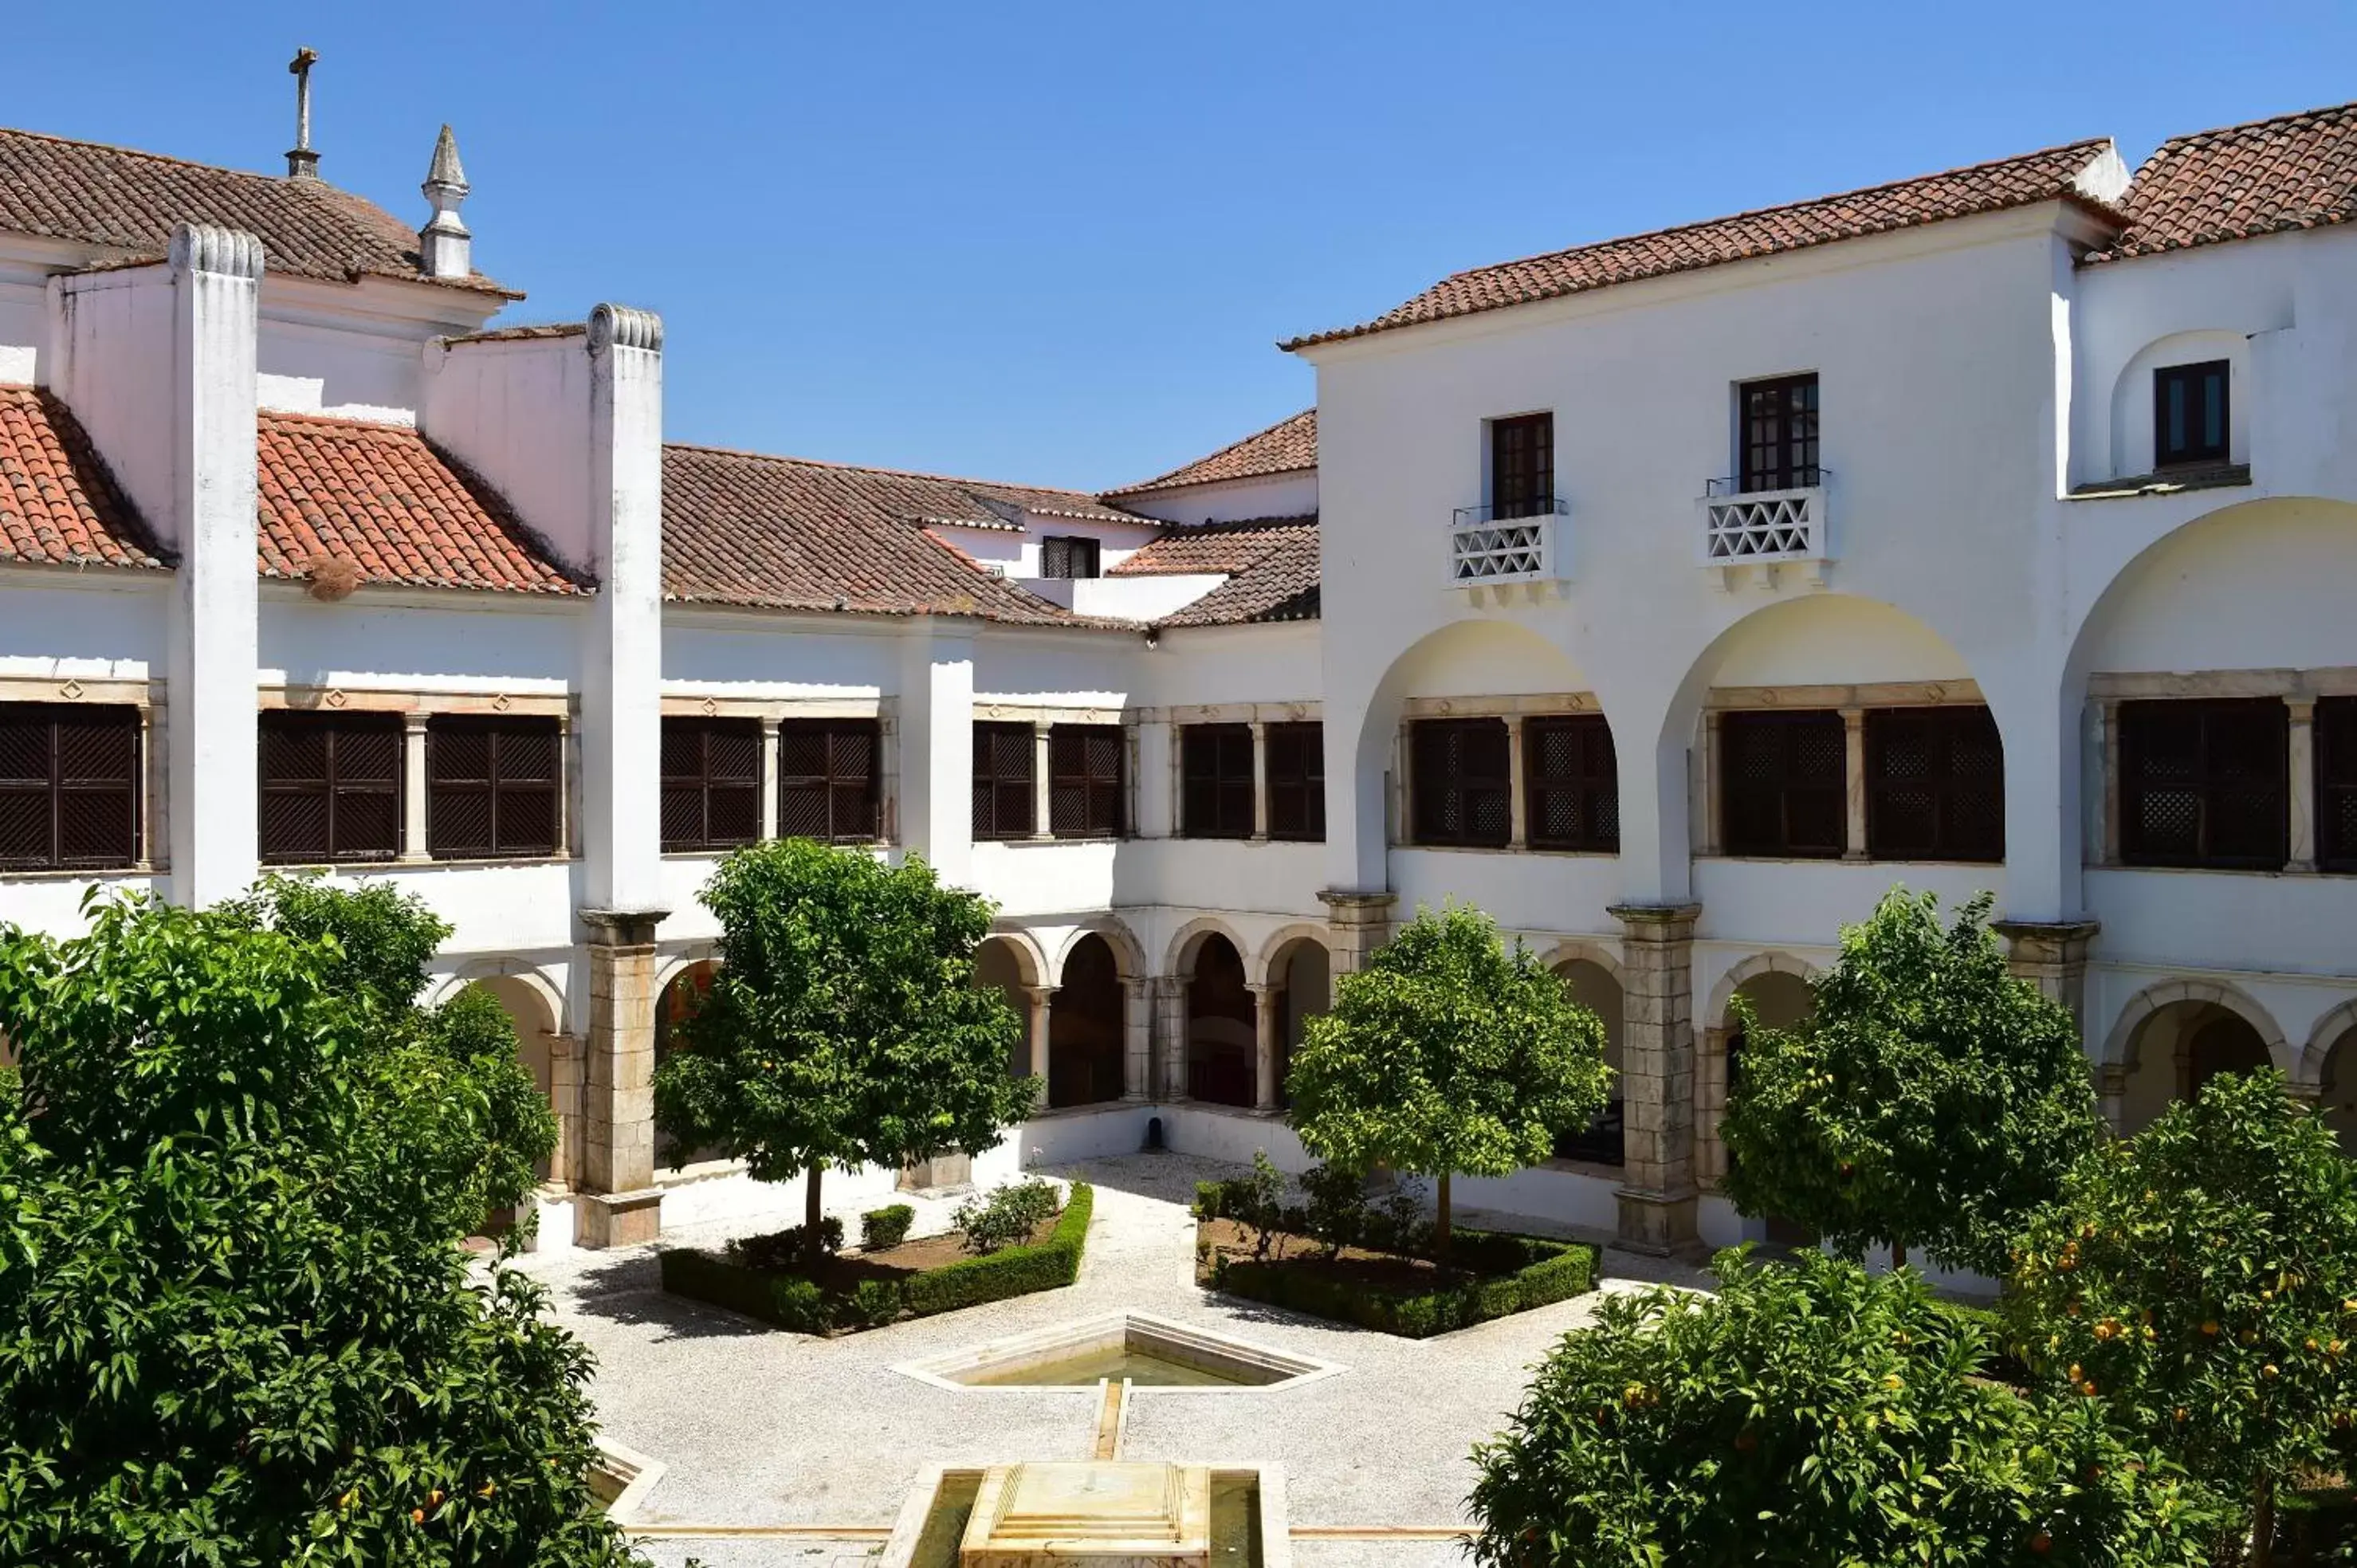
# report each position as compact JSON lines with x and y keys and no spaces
{"x":447,"y":247}
{"x":302,"y":163}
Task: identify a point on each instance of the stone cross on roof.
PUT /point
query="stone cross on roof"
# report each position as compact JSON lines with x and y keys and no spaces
{"x":302,"y":163}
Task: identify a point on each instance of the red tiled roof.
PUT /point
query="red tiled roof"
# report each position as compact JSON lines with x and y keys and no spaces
{"x":2049,"y":174}
{"x":2295,"y":171}
{"x":130,"y":202}
{"x":379,"y":496}
{"x":58,"y":505}
{"x":1272,"y":564}
{"x":1288,"y":444}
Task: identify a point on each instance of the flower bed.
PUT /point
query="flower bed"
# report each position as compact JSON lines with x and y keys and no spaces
{"x":865,"y":1290}
{"x":1489,"y":1275}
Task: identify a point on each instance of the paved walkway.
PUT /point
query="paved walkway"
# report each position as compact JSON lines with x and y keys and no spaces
{"x":761,"y":1427}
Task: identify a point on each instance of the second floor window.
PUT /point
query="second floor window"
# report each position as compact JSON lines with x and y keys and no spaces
{"x":1068,"y":555}
{"x":711,"y":783}
{"x":1522,"y":466}
{"x":1459,"y":789}
{"x":828,"y":781}
{"x":1572,"y":783}
{"x":2190,"y":417}
{"x":2205,"y":783}
{"x":1297,"y":781}
{"x":1215,"y":774}
{"x":1934,"y":784}
{"x":492,"y":787}
{"x":1087,"y":782}
{"x":1784,"y":784}
{"x":2336,"y":784}
{"x":1006,"y":795}
{"x":332,"y":787}
{"x":69,"y":787}
{"x":1778,"y":418}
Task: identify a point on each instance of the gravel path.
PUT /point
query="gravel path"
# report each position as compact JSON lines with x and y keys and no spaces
{"x":759,"y":1426}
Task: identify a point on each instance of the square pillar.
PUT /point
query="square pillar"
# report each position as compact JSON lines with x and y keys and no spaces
{"x":2052,"y":954}
{"x":1260,"y":781}
{"x":1043,"y":799}
{"x":1170,"y":1030}
{"x":1137,"y":1037}
{"x":1657,"y":1076}
{"x":565,"y":1100}
{"x":2303,"y":784}
{"x":1361,"y":922}
{"x":769,"y":776}
{"x":414,"y":850}
{"x":1854,"y":781}
{"x":1268,"y":1024}
{"x":620,"y":1204}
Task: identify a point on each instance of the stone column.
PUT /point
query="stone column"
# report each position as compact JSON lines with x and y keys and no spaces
{"x":1361,"y":922}
{"x":2303,"y":784}
{"x":620,"y":1204}
{"x":1170,"y":1030}
{"x":1137,"y":1037}
{"x":1657,"y":1076}
{"x":414,"y":848}
{"x":1854,"y":781}
{"x":1268,"y":1024}
{"x":2107,"y":790}
{"x":769,"y":776}
{"x":565,"y":1100}
{"x":1043,"y":810}
{"x":1039,"y":997}
{"x":1260,"y":781}
{"x":1518,"y":827}
{"x":2053,"y":955}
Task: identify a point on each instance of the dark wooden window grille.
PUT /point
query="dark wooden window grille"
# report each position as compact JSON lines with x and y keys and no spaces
{"x":829,"y":783}
{"x":2190,"y":416}
{"x":1780,"y":433}
{"x":491,"y":787}
{"x":711,"y":783}
{"x":1934,"y":784}
{"x":69,"y":787}
{"x":1068,"y":555}
{"x":2336,"y":784}
{"x":1297,"y":781}
{"x":1522,"y":466}
{"x":1783,"y":783}
{"x":2205,"y":783}
{"x":331,"y":787}
{"x":1004,"y":790}
{"x":1571,"y":797}
{"x":1215,"y":775}
{"x":1459,"y":791}
{"x":1086,"y":782}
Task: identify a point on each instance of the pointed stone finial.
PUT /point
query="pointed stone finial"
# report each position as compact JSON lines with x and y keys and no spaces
{"x":444,"y":242}
{"x":302,"y":163}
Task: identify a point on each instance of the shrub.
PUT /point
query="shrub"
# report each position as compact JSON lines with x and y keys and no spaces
{"x":886,"y":1226}
{"x":1336,"y":1212}
{"x":784,"y":1249}
{"x":1518,"y":1272}
{"x":1807,"y":1415}
{"x":1211,"y":1200}
{"x":1006,"y":1216}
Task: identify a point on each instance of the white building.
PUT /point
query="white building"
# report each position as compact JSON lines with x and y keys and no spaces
{"x":1678,"y":595}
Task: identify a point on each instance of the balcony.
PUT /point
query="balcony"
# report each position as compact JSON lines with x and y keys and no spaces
{"x":1768,"y":529}
{"x":1500,"y":555}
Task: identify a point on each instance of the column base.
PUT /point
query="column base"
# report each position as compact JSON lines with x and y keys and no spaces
{"x":1657,"y":1224}
{"x":602,"y":1219}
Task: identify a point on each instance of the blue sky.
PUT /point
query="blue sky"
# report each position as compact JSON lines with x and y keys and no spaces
{"x":1056,"y":243}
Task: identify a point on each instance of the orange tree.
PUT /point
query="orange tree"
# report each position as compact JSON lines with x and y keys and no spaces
{"x":2202,"y":1278}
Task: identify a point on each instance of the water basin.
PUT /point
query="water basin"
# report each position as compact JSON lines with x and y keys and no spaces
{"x":1152,"y":1354}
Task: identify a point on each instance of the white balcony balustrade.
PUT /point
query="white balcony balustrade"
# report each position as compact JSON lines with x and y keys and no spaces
{"x":1768,"y":529}
{"x":1503,"y":555}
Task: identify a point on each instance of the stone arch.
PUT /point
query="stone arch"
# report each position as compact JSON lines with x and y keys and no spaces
{"x":1773,"y":961}
{"x":1179,"y":957}
{"x":2330,"y":1033}
{"x":1088,"y":1014}
{"x":2210,"y":1025}
{"x":1593,"y":973}
{"x":674,"y":964}
{"x":1222,"y":1022}
{"x":1129,"y":953}
{"x":536,"y":1007}
{"x":2335,"y":1084}
{"x":549,"y":995}
{"x":2120,"y":1041}
{"x":1010,"y":963}
{"x":681,"y":981}
{"x":1261,"y":967}
{"x":1579,"y":952}
{"x":1715,"y":1039}
{"x":1297,"y":966}
{"x":1023,"y":948}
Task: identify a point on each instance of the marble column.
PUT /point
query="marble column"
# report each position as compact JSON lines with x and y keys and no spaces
{"x":619,"y":1204}
{"x":2052,"y":954}
{"x":1137,"y":1037}
{"x":1170,"y":1033}
{"x":1040,"y":1012}
{"x":1268,"y":1026}
{"x":1854,"y":782}
{"x":1657,"y":1077}
{"x":414,"y":849}
{"x":2302,"y":739}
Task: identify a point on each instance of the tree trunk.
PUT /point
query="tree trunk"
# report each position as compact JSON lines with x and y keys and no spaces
{"x":1440,"y":1222}
{"x":812,"y":1250}
{"x":2262,"y":1524}
{"x":1897,"y":1256}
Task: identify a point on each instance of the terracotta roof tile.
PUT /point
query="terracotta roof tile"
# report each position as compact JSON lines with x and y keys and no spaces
{"x":58,"y":505}
{"x":2051,"y":173}
{"x":2295,"y":171}
{"x":127,"y":200}
{"x":1272,"y":564}
{"x":1288,"y":444}
{"x":379,"y":496}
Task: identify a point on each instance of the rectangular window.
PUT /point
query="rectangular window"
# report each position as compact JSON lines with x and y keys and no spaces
{"x":1086,"y":781}
{"x":711,"y":783}
{"x":491,"y":787}
{"x":332,"y":787}
{"x":2336,"y":784}
{"x":1297,"y":781}
{"x":1780,"y":433}
{"x":1571,"y":784}
{"x":1783,"y":784}
{"x":1459,"y":789}
{"x":829,"y":785}
{"x":1063,"y":555}
{"x":1004,"y":793}
{"x":1934,"y":784}
{"x":1522,"y":466}
{"x":2190,"y":417}
{"x":1215,"y":773}
{"x":69,"y":787}
{"x":2205,"y":783}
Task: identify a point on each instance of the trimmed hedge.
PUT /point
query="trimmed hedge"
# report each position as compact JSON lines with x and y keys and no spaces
{"x":791,"y":1301}
{"x":1521,"y":1273}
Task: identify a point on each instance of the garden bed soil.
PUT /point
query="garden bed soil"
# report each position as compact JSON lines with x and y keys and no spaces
{"x":1351,"y":1266}
{"x":1489,"y":1276}
{"x":921,"y":1254}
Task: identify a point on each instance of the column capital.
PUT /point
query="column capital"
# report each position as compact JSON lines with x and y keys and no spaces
{"x":1169,"y":986}
{"x":414,"y":721}
{"x":2049,"y":941}
{"x":1657,"y":922}
{"x":1356,"y":907}
{"x":1041,"y":994}
{"x":622,"y":927}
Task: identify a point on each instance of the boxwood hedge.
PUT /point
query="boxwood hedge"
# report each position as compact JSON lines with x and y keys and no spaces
{"x":1511,"y":1274}
{"x":791,"y":1301}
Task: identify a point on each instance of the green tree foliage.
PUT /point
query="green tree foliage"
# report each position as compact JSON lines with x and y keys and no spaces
{"x":2201,"y":1279}
{"x":844,"y":1028}
{"x":1935,"y":1100}
{"x":1812,"y":1414}
{"x":236,"y":1327}
{"x":1448,"y":1053}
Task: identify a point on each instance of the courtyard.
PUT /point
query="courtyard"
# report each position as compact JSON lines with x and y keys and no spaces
{"x":779,"y":1447}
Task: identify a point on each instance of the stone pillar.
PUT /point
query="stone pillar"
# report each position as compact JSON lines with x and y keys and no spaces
{"x":1170,"y":1030}
{"x":2111,"y":1094}
{"x":769,"y":776}
{"x":415,"y":847}
{"x":565,"y":1100}
{"x":1041,"y":997}
{"x":1657,"y":1076}
{"x":1260,"y":781}
{"x":1854,"y":781}
{"x":1268,"y":1024}
{"x":2052,"y":954}
{"x":619,"y":1204}
{"x":935,"y":782}
{"x":1361,"y":922}
{"x":1518,"y":827}
{"x":2303,"y":784}
{"x":2107,"y":790}
{"x":1043,"y":799}
{"x":1137,"y":1037}
{"x":1705,"y":835}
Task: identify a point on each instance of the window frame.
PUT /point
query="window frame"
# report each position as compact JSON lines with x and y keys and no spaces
{"x":1787,"y":723}
{"x":501,"y":732}
{"x":706,"y":728}
{"x":1757,"y":433}
{"x":838,"y":783}
{"x":987,"y":777}
{"x":330,"y":785}
{"x":57,"y":785}
{"x":2193,"y":376}
{"x":1469,"y":787}
{"x":1940,"y":724}
{"x":1057,"y":552}
{"x":1595,"y":781}
{"x":1103,"y":792}
{"x":2132,"y":785}
{"x":1208,"y":779}
{"x":1283,"y":778}
{"x":1522,"y":446}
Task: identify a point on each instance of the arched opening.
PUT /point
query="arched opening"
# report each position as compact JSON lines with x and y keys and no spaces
{"x":538,"y":1050}
{"x":1220,"y":1025}
{"x":2179,"y":1049}
{"x":2338,"y":1101}
{"x":1604,"y":1141}
{"x":673,"y":1008}
{"x":999,"y":965}
{"x":1304,"y":972}
{"x":1779,"y":1000}
{"x":1084,"y":1026}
